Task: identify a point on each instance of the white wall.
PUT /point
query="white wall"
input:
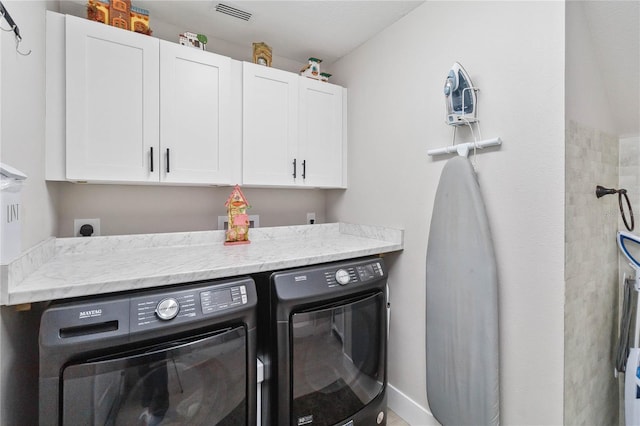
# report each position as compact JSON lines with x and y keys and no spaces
{"x":514,"y":52}
{"x":22,"y":137}
{"x":22,"y":146}
{"x":586,"y":100}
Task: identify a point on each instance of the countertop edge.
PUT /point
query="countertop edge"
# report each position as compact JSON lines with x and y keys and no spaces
{"x":390,"y":240}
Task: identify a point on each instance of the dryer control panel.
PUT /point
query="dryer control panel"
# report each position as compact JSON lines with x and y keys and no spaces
{"x":353,"y":274}
{"x":322,"y":280}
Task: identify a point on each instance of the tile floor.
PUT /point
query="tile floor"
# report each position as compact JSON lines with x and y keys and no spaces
{"x":395,"y":420}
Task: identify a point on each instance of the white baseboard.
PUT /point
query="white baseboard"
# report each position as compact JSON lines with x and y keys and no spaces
{"x":412,"y":412}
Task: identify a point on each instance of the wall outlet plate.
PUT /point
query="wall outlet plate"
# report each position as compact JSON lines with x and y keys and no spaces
{"x":77,"y":224}
{"x":311,"y":218}
{"x":223,"y":222}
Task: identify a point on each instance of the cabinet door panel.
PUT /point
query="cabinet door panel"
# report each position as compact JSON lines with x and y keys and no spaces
{"x":112,"y":102}
{"x":321,"y":144}
{"x":270,"y":114}
{"x":195,"y":115}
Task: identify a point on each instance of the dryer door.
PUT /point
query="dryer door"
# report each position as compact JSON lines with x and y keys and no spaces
{"x":338,"y":359}
{"x":201,"y":380}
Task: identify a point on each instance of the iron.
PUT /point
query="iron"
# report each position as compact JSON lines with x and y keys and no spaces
{"x":460,"y":97}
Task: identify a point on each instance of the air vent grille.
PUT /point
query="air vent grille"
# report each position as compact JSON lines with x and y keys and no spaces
{"x":232,"y":11}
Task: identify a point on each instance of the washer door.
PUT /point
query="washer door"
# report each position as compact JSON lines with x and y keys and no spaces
{"x":338,"y":360}
{"x":199,"y":381}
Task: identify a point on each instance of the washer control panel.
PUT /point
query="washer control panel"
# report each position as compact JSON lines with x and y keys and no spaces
{"x":217,"y":300}
{"x":150,"y":310}
{"x":156,"y":310}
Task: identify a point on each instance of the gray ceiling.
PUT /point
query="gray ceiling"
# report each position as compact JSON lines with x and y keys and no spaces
{"x":332,"y":29}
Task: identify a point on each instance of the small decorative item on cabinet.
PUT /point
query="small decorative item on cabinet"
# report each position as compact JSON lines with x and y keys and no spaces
{"x":199,"y":41}
{"x":98,"y":10}
{"x":324,"y":76}
{"x":312,"y":69}
{"x":119,"y":13}
{"x":140,"y":20}
{"x":261,"y":54}
{"x":238,"y":231}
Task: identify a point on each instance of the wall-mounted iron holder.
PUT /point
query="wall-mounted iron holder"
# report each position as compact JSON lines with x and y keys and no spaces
{"x":462,"y":110}
{"x":601,"y":191}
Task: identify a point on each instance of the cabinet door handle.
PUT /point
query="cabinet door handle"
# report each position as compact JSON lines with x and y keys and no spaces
{"x":294,"y":168}
{"x":304,"y":169}
{"x":168,"y":169}
{"x":151,"y":156}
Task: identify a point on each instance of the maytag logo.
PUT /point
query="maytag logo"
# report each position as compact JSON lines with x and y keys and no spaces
{"x":305,"y":420}
{"x":299,"y":278}
{"x":90,"y":313}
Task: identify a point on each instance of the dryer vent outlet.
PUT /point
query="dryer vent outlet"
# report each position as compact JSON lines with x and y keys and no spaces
{"x":86,"y":227}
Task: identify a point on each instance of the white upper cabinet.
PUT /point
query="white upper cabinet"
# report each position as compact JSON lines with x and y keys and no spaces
{"x":320,"y":133}
{"x":128,"y":108}
{"x":144,"y":110}
{"x":112,"y":103}
{"x":293,"y":133}
{"x":195,"y":127}
{"x":269,"y":126}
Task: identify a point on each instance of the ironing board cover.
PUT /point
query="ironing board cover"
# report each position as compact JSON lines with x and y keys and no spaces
{"x":462,"y":304}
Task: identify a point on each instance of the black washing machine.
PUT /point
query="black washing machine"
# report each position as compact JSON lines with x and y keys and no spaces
{"x":183,"y":355}
{"x":323,"y":339}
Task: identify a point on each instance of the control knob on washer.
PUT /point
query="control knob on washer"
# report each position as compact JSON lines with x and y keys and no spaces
{"x":342,"y":276}
{"x":167,"y":309}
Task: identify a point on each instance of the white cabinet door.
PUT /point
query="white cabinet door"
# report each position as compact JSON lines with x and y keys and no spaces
{"x":112,"y":103}
{"x":195,"y":128}
{"x":270,"y":126}
{"x":321,"y":133}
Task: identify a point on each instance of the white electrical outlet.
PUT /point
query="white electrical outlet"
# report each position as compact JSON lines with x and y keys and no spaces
{"x":311,"y":218}
{"x":77,"y":224}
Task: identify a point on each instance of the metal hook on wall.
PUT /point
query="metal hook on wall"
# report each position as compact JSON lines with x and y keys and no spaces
{"x":5,"y":14}
{"x":601,"y":191}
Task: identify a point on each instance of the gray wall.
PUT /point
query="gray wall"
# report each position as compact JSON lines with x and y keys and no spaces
{"x":131,"y":209}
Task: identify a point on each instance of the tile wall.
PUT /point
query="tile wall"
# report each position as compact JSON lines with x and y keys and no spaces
{"x":591,"y":277}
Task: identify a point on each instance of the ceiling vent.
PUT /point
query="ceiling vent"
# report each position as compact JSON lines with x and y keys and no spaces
{"x":232,"y":11}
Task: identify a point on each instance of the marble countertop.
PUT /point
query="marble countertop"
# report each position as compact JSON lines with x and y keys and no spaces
{"x":70,"y":267}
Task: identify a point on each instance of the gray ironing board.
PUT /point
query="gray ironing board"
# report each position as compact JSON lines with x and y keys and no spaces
{"x":462,"y":304}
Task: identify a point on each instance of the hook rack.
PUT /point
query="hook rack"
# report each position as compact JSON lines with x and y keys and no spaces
{"x":463,"y":148}
{"x":14,"y":27}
